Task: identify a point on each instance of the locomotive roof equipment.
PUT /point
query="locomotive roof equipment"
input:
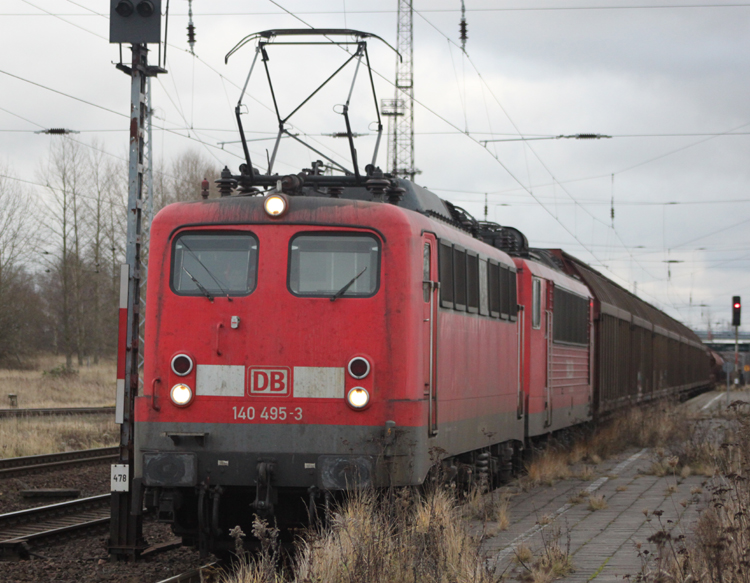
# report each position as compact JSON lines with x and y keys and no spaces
{"x":249,"y":176}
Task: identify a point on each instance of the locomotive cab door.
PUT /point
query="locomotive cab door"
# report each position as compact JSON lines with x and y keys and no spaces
{"x":430,"y":287}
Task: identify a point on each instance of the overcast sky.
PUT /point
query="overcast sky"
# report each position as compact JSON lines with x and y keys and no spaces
{"x":668,"y":80}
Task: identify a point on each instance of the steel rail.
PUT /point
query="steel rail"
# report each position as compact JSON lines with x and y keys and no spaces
{"x":56,"y":520}
{"x":17,"y":466}
{"x":193,"y":575}
{"x":56,"y":411}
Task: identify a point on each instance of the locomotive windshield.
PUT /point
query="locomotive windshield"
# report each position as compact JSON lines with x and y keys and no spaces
{"x":322,"y":265}
{"x":214,"y":264}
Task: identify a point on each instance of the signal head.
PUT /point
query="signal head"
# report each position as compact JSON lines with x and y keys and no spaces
{"x":135,"y":21}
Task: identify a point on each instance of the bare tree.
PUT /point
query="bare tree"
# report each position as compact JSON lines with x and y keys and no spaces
{"x":182,"y":182}
{"x":64,"y":177}
{"x":103,"y":203}
{"x":16,"y":287}
{"x":83,"y":217}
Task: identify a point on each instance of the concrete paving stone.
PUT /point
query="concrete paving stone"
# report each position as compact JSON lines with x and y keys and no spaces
{"x":601,"y":542}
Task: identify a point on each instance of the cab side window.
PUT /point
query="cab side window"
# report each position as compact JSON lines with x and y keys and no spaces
{"x":536,"y":303}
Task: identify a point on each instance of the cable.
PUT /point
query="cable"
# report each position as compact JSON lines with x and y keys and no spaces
{"x":458,"y":10}
{"x":65,"y":94}
{"x":592,"y":202}
{"x":89,"y":9}
{"x":712,"y":137}
{"x":543,"y":165}
{"x":722,"y":230}
{"x":182,"y":115}
{"x":65,"y":21}
{"x":553,"y":177}
{"x":49,"y":186}
{"x":497,"y":159}
{"x":458,"y":130}
{"x":118,"y":113}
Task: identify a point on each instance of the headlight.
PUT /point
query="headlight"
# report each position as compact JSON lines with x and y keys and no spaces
{"x":358,"y":397}
{"x":358,"y":367}
{"x":182,"y":365}
{"x":181,"y":394}
{"x":276,"y":205}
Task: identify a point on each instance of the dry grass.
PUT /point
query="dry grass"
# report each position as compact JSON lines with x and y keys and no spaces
{"x":552,"y":562}
{"x":48,"y":386}
{"x":658,"y":469}
{"x":666,"y":427}
{"x":585,"y":473}
{"x":597,"y":502}
{"x":718,"y":550}
{"x":490,"y":507}
{"x":394,"y":537}
{"x":523,"y":554}
{"x":545,"y":519}
{"x":549,"y":467}
{"x":580,"y":497}
{"x":22,"y":436}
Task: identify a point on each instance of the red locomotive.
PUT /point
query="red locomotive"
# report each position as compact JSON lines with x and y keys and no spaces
{"x":331,"y":332}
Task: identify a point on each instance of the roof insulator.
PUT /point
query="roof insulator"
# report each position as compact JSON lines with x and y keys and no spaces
{"x":462,"y":27}
{"x":57,"y":131}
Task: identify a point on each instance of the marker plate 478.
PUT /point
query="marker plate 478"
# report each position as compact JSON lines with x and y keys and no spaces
{"x":119,"y":478}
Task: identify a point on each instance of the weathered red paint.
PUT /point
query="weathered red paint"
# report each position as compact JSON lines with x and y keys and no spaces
{"x":476,"y":357}
{"x":555,"y":376}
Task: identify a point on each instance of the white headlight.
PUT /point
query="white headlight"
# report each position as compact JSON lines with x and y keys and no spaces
{"x":358,"y":397}
{"x":181,"y":394}
{"x":275,"y":205}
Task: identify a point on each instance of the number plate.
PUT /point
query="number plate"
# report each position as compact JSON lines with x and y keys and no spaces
{"x":119,"y":478}
{"x":262,"y":413}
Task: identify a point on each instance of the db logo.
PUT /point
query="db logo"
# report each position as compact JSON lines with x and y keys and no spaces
{"x":269,"y":381}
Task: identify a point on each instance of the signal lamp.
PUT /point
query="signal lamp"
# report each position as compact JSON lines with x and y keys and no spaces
{"x":358,"y":367}
{"x":182,"y":365}
{"x":358,"y":398}
{"x":145,"y":8}
{"x":276,"y":205}
{"x":135,"y":21}
{"x":124,"y":8}
{"x":181,"y":395}
{"x":736,"y":310}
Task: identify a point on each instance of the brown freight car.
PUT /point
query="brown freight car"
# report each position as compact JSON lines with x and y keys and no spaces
{"x":640,"y":353}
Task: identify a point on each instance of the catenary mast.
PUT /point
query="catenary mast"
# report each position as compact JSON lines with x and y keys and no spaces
{"x":401,"y":108}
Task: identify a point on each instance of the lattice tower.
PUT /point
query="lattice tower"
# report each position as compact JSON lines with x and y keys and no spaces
{"x":401,"y":110}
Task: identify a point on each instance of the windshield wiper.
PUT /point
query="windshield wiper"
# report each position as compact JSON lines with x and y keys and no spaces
{"x":342,"y":291}
{"x":208,"y":271}
{"x":200,"y":286}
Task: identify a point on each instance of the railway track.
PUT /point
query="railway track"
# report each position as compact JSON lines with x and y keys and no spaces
{"x":17,"y":466}
{"x":54,"y":521}
{"x":56,"y":411}
{"x":199,"y":575}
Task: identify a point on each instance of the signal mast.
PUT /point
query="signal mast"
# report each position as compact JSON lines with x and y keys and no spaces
{"x":138,"y":23}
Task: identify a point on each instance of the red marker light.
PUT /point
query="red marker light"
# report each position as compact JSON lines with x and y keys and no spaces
{"x":737,"y":305}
